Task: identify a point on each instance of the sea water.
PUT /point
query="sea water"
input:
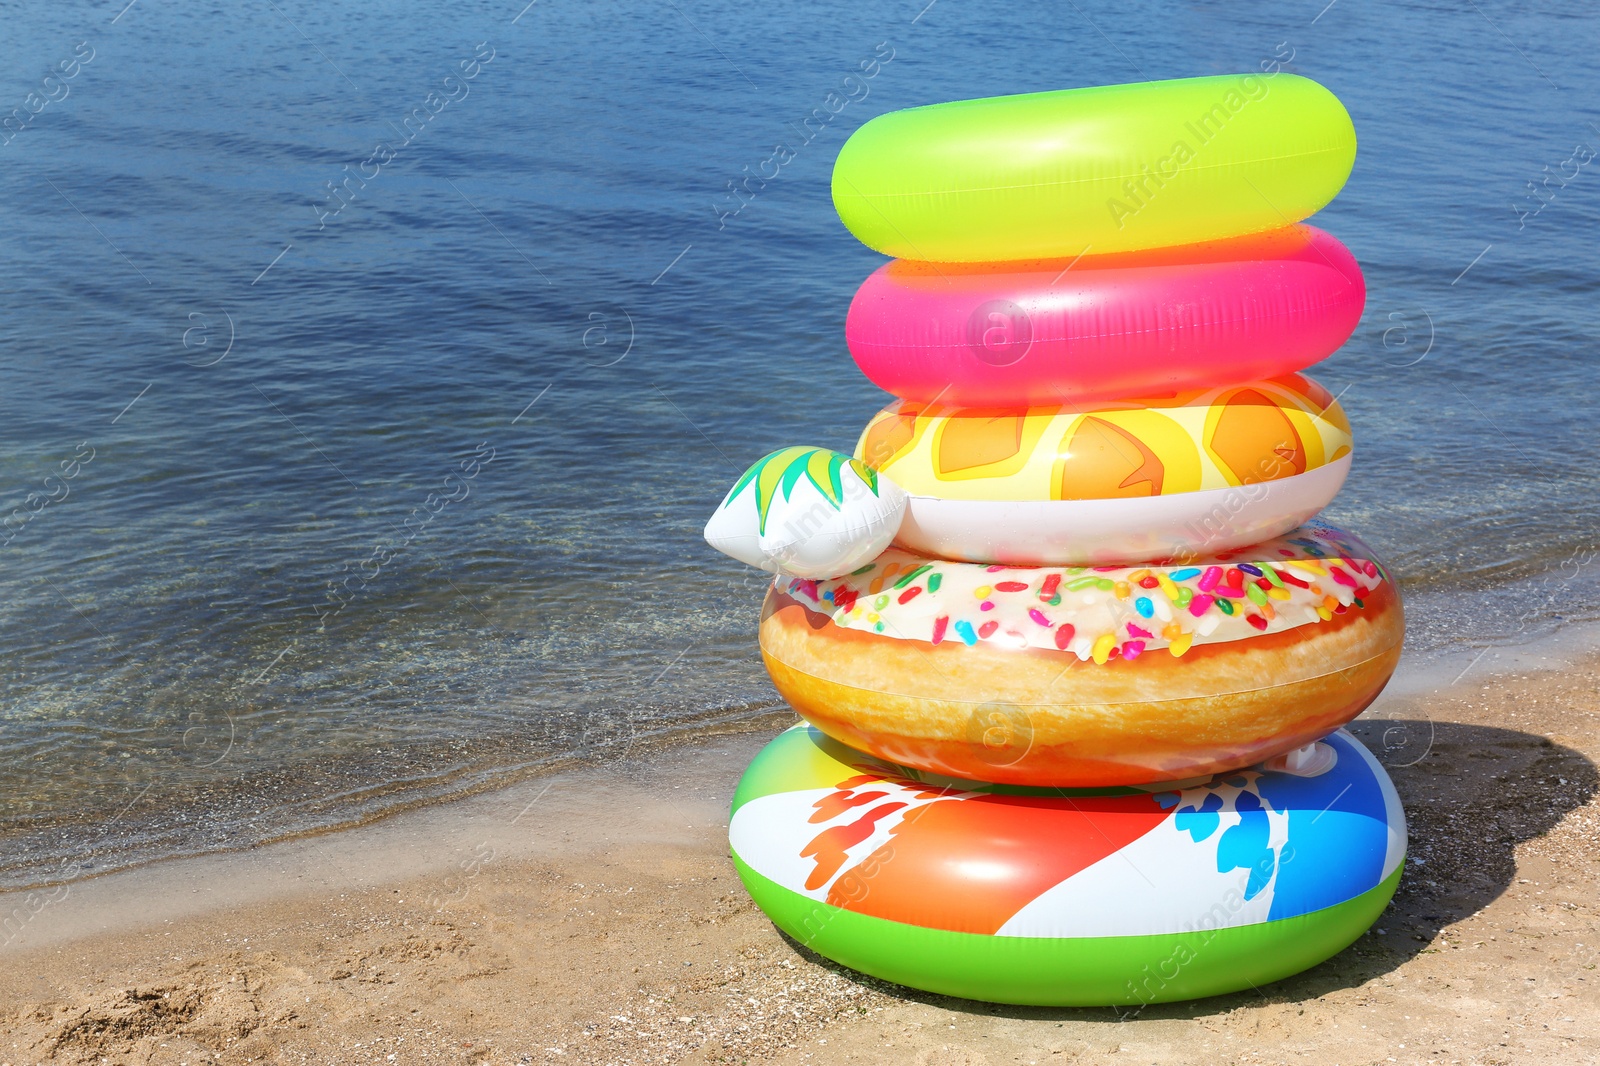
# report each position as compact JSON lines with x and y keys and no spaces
{"x":370,"y":370}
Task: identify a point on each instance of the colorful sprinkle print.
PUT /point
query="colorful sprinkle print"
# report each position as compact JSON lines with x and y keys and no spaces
{"x":1108,"y":613}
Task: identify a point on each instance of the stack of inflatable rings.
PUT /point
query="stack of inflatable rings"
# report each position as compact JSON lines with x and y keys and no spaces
{"x":1075,"y":737}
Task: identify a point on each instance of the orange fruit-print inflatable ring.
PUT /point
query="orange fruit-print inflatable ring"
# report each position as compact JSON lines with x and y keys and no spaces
{"x":1153,"y":478}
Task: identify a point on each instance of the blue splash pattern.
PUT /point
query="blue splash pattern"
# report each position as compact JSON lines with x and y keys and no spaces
{"x":1338,"y":830}
{"x":1244,"y":846}
{"x":1199,"y":822}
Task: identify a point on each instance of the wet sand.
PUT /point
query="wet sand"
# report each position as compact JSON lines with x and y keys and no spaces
{"x":593,"y":917}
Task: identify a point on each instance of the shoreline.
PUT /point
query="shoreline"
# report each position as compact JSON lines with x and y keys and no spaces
{"x":592,"y":915}
{"x":184,"y":819}
{"x":268,"y":785}
{"x":422,"y":841}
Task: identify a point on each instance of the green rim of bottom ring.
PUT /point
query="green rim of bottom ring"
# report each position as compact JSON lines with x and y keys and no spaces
{"x":1070,"y":971}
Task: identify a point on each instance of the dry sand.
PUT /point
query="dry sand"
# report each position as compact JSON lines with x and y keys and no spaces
{"x":593,"y":917}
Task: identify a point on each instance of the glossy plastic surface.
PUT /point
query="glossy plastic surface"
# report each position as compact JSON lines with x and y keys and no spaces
{"x":1106,"y":326}
{"x":1079,"y":676}
{"x":1216,"y":438}
{"x":1028,"y":896}
{"x":1117,"y":532}
{"x":809,"y":512}
{"x":1117,"y":481}
{"x":1104,"y":169}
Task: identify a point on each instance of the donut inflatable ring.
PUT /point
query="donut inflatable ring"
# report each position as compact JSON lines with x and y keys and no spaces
{"x":1112,"y":168}
{"x":1186,"y":474}
{"x":1028,"y":896}
{"x":1089,"y":677}
{"x":1106,"y":326}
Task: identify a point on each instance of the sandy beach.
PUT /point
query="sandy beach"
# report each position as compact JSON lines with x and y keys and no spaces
{"x":398,"y":396}
{"x":593,"y":917}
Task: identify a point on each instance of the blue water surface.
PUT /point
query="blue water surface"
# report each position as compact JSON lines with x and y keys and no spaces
{"x":370,"y":369}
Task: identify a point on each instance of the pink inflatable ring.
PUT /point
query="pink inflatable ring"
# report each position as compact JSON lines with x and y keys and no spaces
{"x":1100,"y":327}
